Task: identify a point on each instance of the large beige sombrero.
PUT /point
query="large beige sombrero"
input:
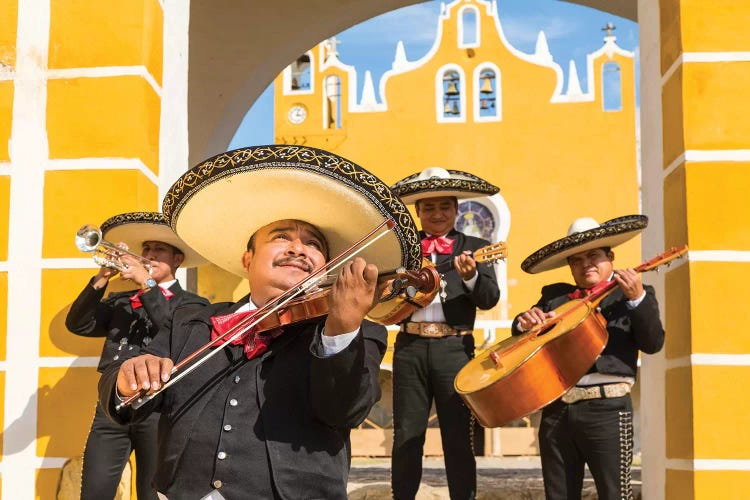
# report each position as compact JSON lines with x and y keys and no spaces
{"x":435,"y":181}
{"x":584,"y":234}
{"x":218,"y":204}
{"x":133,"y":228}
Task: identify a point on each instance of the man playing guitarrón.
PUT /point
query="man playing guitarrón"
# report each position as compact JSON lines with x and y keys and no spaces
{"x":592,"y":423}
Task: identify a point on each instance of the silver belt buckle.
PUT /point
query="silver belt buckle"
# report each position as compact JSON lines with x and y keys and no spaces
{"x":429,"y":329}
{"x":574,"y":394}
{"x":616,"y":390}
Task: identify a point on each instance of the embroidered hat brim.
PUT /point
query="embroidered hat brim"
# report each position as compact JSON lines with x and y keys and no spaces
{"x":609,"y":234}
{"x":459,"y":184}
{"x":217,"y":205}
{"x":134,"y":228}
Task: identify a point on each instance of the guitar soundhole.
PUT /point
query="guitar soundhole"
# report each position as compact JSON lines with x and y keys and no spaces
{"x":546,"y":329}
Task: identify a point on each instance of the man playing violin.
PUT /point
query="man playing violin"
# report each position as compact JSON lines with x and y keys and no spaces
{"x":436,"y":341}
{"x":592,"y":423}
{"x":270,"y":416}
{"x":129,"y":321}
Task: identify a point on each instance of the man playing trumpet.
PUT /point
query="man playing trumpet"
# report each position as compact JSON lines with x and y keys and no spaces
{"x":129,"y":321}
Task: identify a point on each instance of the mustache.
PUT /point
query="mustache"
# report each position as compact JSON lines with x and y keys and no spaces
{"x":299,"y":260}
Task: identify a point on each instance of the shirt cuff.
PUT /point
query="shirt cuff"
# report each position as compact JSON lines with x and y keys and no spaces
{"x":336,"y":344}
{"x":632,"y":304}
{"x":469,"y":283}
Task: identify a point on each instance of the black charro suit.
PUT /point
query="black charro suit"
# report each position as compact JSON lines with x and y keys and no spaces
{"x":598,"y":431}
{"x":276,"y":426}
{"x":126,"y":331}
{"x":424,"y":368}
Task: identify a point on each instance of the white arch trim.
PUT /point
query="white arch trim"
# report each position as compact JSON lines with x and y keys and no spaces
{"x":105,"y":71}
{"x":703,"y":57}
{"x":707,"y":464}
{"x":698,"y":359}
{"x":718,"y":155}
{"x":104,"y":164}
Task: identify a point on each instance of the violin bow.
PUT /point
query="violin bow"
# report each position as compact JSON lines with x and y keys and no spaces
{"x":139,"y":398}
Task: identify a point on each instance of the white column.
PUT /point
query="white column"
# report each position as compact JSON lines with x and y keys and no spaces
{"x":29,"y":153}
{"x":173,"y":141}
{"x":653,"y":367}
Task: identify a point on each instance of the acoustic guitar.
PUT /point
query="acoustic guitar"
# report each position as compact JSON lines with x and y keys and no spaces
{"x":401,"y":301}
{"x":524,"y":373}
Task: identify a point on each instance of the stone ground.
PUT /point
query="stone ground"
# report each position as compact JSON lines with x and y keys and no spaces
{"x":506,"y":478}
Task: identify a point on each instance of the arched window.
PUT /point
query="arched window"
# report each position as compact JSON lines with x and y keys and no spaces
{"x":487,"y":94}
{"x":298,"y":77}
{"x":452,"y":94}
{"x":468,"y":27}
{"x":611,"y":87}
{"x":332,"y":102}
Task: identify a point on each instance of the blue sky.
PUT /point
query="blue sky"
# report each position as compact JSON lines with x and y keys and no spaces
{"x":572,"y":31}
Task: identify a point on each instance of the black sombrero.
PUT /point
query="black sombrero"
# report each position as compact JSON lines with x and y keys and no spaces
{"x":584,"y":234}
{"x":218,"y":204}
{"x":133,"y":228}
{"x":435,"y":181}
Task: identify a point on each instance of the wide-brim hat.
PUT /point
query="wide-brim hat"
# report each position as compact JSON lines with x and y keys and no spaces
{"x":584,"y":234}
{"x":217,"y":205}
{"x":134,"y":228}
{"x":434,"y":182}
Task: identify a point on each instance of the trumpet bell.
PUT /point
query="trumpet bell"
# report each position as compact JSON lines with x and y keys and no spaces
{"x":88,"y":238}
{"x":105,"y":254}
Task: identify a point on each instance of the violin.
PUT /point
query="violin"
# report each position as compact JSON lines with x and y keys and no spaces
{"x":412,"y":290}
{"x":302,"y":302}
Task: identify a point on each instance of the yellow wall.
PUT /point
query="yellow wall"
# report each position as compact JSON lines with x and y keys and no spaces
{"x":706,"y":134}
{"x":100,"y":95}
{"x":86,"y":34}
{"x":8,"y":28}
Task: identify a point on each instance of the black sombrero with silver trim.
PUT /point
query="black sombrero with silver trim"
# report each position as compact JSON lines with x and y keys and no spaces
{"x":217,"y":205}
{"x":584,"y":234}
{"x":435,"y":181}
{"x":134,"y":228}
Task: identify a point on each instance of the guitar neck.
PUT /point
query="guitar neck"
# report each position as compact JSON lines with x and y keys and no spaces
{"x":446,"y":266}
{"x":603,"y":289}
{"x":485,"y":255}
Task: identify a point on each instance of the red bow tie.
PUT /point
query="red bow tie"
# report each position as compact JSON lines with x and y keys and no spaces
{"x":437,"y":244}
{"x":135,"y":300}
{"x":255,"y":343}
{"x":585,"y":292}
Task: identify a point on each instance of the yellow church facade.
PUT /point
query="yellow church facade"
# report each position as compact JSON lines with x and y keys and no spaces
{"x":104,"y":105}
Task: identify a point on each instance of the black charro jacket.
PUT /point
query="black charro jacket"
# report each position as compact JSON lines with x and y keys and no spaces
{"x":296,"y":410}
{"x":460,"y":305}
{"x":127,"y":330}
{"x":630,"y":330}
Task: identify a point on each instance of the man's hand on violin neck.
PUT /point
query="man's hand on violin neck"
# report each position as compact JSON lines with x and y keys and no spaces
{"x":352,"y":297}
{"x":146,"y":372}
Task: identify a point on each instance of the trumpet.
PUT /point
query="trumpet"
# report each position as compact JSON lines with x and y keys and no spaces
{"x":105,"y":254}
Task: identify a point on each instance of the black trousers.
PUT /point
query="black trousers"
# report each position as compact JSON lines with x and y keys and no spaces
{"x":107,"y":451}
{"x":423,"y":370}
{"x":597,"y":432}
